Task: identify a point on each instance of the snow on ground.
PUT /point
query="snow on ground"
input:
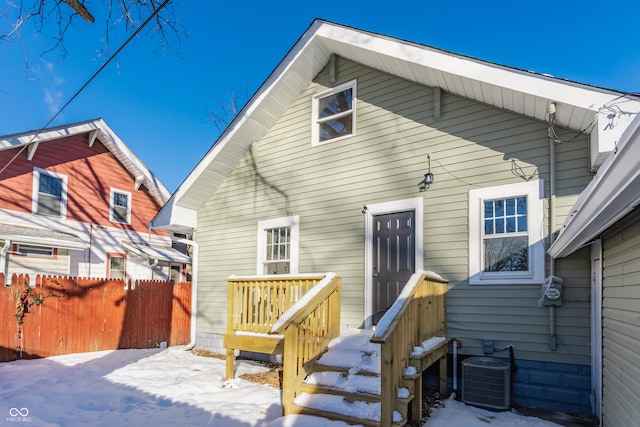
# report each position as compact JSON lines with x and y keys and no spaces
{"x":457,"y":414}
{"x":169,"y":387}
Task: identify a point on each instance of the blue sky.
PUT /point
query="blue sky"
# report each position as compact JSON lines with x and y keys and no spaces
{"x":157,"y":103}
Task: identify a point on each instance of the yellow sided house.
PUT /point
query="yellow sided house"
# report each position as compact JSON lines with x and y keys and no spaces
{"x":370,"y":178}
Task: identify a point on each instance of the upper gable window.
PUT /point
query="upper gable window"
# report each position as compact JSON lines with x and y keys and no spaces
{"x":334,"y":113}
{"x":505,"y":232}
{"x":49,"y":193}
{"x":120,"y":206}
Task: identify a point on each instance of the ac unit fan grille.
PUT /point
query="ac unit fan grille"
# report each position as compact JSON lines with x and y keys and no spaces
{"x":486,"y":382}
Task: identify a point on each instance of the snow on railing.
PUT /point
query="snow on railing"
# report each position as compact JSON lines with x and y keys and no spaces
{"x":417,"y":316}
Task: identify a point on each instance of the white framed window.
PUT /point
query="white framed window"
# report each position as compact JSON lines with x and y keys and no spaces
{"x":278,"y":245}
{"x":334,"y":114}
{"x":506,"y":234}
{"x":49,"y":195}
{"x":165,"y":270}
{"x":116,"y":265}
{"x":35,"y":251}
{"x":120,"y":206}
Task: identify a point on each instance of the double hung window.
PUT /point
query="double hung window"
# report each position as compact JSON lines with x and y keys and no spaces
{"x":278,"y":246}
{"x":505,"y":234}
{"x":120,"y":206}
{"x":49,"y":193}
{"x":116,"y":266}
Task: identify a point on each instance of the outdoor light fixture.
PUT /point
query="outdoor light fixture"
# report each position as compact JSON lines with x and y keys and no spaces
{"x":428,"y":177}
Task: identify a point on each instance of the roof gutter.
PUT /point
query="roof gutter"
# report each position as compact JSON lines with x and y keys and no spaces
{"x":610,"y":195}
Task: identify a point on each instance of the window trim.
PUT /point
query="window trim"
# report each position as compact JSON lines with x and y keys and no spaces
{"x":35,"y":192}
{"x":293,"y":222}
{"x":315,"y":132}
{"x":112,"y":218}
{"x":116,"y":255}
{"x":534,"y":191}
{"x":18,"y":252}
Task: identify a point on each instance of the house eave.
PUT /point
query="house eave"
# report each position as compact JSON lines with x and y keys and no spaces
{"x":175,"y":218}
{"x":613,"y":193}
{"x":578,"y":106}
{"x":94,"y":129}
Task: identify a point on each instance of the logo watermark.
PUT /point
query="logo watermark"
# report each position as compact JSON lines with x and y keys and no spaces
{"x":18,"y":415}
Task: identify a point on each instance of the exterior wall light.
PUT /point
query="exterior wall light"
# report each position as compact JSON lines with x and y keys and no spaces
{"x":428,"y":177}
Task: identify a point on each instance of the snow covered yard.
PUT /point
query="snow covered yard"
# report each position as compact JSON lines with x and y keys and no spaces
{"x":170,"y":387}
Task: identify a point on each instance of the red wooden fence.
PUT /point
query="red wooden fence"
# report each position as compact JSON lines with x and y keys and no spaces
{"x":62,"y":315}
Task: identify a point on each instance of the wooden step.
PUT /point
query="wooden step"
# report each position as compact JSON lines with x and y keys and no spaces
{"x":347,"y":381}
{"x":337,"y":407}
{"x":349,"y":396}
{"x":335,"y":417}
{"x":320,"y":368}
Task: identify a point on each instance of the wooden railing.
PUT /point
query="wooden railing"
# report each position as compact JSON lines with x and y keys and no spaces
{"x":255,"y":304}
{"x":308,"y":327}
{"x":417,"y":315}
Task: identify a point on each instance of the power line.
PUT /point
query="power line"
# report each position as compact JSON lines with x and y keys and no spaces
{"x":84,"y":86}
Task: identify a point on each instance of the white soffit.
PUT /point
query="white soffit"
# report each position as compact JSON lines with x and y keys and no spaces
{"x":40,"y":237}
{"x":507,"y":88}
{"x":611,"y":194}
{"x":161,"y":253}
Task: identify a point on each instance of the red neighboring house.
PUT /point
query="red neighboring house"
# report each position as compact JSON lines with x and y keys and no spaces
{"x":76,"y":201}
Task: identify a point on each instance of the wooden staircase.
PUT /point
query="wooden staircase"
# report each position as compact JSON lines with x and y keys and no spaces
{"x":345,"y":383}
{"x":368,"y":378}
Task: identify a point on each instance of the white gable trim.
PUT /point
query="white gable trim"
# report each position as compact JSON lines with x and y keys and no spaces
{"x":578,"y":106}
{"x":97,"y":128}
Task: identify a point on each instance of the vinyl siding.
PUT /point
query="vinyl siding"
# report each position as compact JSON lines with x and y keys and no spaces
{"x":33,"y":265}
{"x":471,"y":146}
{"x":621,"y":329}
{"x":91,"y":173}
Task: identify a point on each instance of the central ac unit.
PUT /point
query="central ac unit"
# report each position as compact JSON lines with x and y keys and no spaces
{"x":486,"y":382}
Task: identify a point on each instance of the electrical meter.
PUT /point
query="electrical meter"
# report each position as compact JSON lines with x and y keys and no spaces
{"x":552,"y":292}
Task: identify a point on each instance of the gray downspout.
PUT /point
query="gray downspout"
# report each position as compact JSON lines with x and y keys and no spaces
{"x":552,"y":226}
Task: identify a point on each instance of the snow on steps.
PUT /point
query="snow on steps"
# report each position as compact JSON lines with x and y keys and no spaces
{"x":345,"y":383}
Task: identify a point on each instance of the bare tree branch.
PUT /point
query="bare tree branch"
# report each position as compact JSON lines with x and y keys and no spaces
{"x":80,"y":9}
{"x":55,"y":19}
